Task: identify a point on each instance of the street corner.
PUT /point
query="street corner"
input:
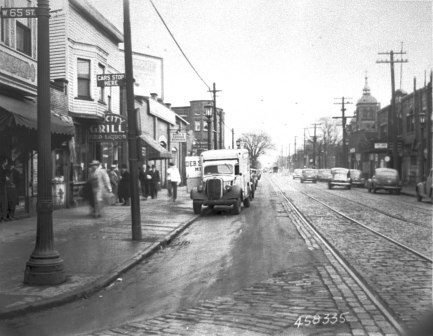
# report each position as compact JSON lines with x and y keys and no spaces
{"x":24,"y":297}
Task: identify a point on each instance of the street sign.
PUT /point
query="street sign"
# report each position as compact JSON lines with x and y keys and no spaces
{"x":110,"y":79}
{"x":379,"y":145}
{"x":178,"y":137}
{"x":18,"y":12}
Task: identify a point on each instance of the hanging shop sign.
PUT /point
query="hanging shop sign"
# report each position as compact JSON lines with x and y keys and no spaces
{"x":178,"y":137}
{"x":110,"y":80}
{"x":114,"y":128}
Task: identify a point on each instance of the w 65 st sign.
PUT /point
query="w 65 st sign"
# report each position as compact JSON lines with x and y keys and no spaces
{"x":19,"y":12}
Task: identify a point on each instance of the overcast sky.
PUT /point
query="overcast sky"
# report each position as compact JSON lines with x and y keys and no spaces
{"x":280,"y":63}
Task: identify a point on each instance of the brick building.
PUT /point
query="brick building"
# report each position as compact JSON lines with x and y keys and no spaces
{"x":198,"y":125}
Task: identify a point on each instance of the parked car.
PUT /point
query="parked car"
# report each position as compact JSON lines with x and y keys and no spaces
{"x":324,"y":175}
{"x":385,"y":179}
{"x":424,"y":189}
{"x":356,"y":178}
{"x":308,"y":174}
{"x":340,"y":177}
{"x":297,"y":174}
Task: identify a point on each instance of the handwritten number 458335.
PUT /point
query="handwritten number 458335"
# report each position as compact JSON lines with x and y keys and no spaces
{"x":323,"y":319}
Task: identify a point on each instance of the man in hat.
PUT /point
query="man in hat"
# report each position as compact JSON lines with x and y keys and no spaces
{"x":100,"y":184}
{"x":124,"y":185}
{"x":114,"y":176}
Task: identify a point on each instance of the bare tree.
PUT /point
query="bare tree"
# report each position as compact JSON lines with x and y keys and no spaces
{"x":257,"y":144}
{"x":328,"y":140}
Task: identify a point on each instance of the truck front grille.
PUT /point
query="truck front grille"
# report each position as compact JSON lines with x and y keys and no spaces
{"x":214,"y":189}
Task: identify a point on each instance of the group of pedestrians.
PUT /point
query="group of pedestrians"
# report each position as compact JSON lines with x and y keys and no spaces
{"x":10,"y":181}
{"x":150,"y":181}
{"x":113,"y":187}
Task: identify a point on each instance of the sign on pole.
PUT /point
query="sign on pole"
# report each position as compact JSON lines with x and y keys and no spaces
{"x":110,"y":79}
{"x":178,"y":137}
{"x":18,"y":12}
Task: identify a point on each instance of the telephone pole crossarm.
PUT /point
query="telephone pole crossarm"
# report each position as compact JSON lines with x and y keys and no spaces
{"x":392,"y":115}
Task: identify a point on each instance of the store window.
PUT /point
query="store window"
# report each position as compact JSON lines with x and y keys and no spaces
{"x":23,"y":36}
{"x":83,"y":78}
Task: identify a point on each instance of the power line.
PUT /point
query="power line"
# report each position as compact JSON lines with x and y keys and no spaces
{"x":180,"y":48}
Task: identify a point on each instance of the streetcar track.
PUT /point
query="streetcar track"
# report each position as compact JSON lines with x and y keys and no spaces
{"x":405,"y":247}
{"x":376,"y":209}
{"x":372,"y":294}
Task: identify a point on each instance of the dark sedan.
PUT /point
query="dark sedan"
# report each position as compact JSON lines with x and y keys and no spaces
{"x":384,"y":179}
{"x":356,"y":178}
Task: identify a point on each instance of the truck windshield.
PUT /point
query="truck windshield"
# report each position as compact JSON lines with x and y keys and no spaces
{"x":218,"y":169}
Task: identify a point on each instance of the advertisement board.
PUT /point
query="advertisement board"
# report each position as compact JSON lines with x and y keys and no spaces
{"x":193,"y":172}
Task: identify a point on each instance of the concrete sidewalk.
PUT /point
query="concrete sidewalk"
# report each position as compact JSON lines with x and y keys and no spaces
{"x":95,"y":251}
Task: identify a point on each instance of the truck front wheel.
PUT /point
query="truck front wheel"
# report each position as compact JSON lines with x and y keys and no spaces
{"x":247,"y":202}
{"x":237,"y":206}
{"x":197,"y":207}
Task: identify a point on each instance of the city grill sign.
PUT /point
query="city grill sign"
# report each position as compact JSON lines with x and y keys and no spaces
{"x":113,"y":128}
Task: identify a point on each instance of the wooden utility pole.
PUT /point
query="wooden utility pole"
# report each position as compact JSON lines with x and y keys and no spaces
{"x":233,"y":138}
{"x":132,"y":127}
{"x":392,"y":116}
{"x":295,"y":154}
{"x":305,"y":157}
{"x":343,"y":122}
{"x":429,"y":123}
{"x":314,"y":145}
{"x":214,"y":91}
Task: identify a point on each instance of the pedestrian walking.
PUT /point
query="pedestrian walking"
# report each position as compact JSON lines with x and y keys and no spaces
{"x":100,"y":187}
{"x":3,"y":193}
{"x":175,"y":179}
{"x":114,"y":176}
{"x":12,"y":187}
{"x":142,"y":179}
{"x":169,"y":189}
{"x":155,"y":182}
{"x":124,"y":185}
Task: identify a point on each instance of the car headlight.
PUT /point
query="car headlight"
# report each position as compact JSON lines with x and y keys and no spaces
{"x":228,"y":187}
{"x":200,"y":187}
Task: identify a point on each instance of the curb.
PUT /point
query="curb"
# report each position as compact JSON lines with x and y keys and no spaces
{"x":93,"y":287}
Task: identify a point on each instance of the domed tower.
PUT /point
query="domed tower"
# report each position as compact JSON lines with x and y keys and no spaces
{"x":366,"y":110}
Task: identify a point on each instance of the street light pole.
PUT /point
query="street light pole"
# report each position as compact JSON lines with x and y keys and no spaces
{"x":208,"y":112}
{"x":132,"y":127}
{"x":45,"y":267}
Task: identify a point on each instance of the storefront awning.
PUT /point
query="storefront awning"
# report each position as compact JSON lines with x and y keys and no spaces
{"x":154,"y":150}
{"x":14,"y":112}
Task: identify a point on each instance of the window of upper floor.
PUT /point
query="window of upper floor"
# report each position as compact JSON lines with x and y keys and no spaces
{"x":197,"y":126}
{"x":410,"y":121}
{"x":83,"y":78}
{"x":17,"y":34}
{"x":23,"y":38}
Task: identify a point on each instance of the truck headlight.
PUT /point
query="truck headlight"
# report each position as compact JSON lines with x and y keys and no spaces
{"x":228,"y":187}
{"x":200,"y":187}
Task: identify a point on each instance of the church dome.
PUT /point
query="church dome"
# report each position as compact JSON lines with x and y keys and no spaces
{"x":366,"y":98}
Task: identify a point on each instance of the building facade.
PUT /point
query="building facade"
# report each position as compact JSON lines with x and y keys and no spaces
{"x":371,"y":146}
{"x":362,"y":131}
{"x":18,"y":110}
{"x":198,"y":126}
